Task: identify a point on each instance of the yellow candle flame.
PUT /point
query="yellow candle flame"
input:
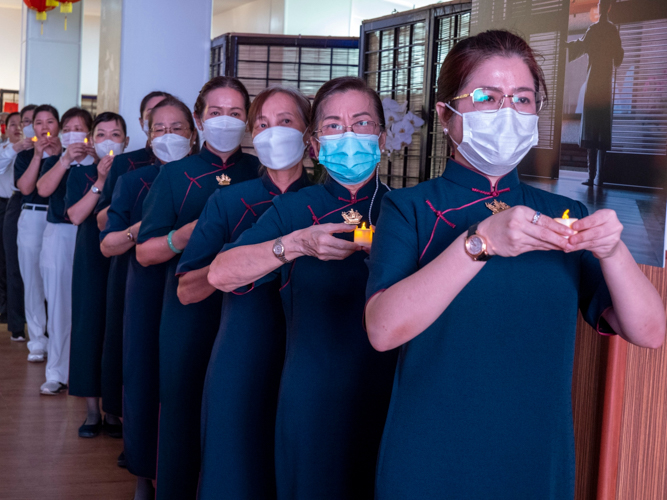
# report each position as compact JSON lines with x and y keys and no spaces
{"x":566,"y":214}
{"x":111,"y":153}
{"x":48,"y":134}
{"x":363,"y":225}
{"x":34,"y":139}
{"x":85,"y":140}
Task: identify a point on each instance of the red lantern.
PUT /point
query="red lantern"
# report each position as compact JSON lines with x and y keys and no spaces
{"x":66,"y":8}
{"x":41,"y":7}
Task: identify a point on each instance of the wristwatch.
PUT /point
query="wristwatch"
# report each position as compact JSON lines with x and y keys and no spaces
{"x":96,"y":190}
{"x":279,"y":250}
{"x":475,"y":245}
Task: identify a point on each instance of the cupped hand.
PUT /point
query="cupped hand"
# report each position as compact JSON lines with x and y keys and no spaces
{"x":600,"y":233}
{"x":41,"y":145}
{"x":74,"y":151}
{"x":22,"y":145}
{"x":103,"y":167}
{"x":319,"y":241}
{"x":512,"y":232}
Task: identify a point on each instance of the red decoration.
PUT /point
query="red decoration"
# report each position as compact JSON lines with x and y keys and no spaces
{"x":11,"y":107}
{"x":66,"y":8}
{"x":41,"y":7}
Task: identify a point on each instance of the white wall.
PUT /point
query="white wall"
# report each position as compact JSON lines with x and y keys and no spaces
{"x":10,"y":47}
{"x":260,"y":16}
{"x":177,"y":63}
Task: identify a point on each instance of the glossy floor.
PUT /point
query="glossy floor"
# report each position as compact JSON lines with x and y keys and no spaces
{"x":41,"y":455}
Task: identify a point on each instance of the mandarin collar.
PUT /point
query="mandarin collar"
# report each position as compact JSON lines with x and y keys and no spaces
{"x":463,"y":176}
{"x":343,"y":193}
{"x":301,"y":182}
{"x":212,"y":158}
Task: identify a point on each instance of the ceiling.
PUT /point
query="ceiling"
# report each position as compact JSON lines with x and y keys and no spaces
{"x":93,"y":6}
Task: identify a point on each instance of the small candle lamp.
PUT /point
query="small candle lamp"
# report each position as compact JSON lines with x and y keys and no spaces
{"x":85,"y":140}
{"x":363,"y":235}
{"x":566,"y":220}
{"x":111,"y":153}
{"x":34,"y":139}
{"x":48,"y":134}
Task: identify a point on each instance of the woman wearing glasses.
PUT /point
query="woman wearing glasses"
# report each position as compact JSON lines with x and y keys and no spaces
{"x":144,"y":291}
{"x":173,"y":205}
{"x":483,"y":306}
{"x":335,"y":388}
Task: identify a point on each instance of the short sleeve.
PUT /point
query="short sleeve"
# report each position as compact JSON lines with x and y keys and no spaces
{"x":594,"y":296}
{"x":120,"y":210}
{"x":109,"y":184}
{"x":268,"y":227}
{"x":21,"y":165}
{"x":76,"y":187}
{"x":159,"y":215}
{"x":208,"y":237}
{"x":395,"y":250}
{"x":48,"y":164}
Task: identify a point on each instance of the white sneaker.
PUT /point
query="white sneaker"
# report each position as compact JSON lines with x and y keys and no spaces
{"x":52,"y":388}
{"x":37,"y":357}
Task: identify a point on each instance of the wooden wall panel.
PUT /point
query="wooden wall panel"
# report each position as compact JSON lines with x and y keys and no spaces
{"x":587,"y":403}
{"x":643,"y":442}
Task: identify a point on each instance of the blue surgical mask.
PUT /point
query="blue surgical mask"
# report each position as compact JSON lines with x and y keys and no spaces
{"x":350,"y":158}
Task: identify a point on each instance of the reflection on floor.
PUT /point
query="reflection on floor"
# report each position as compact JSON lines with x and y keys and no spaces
{"x":41,"y":455}
{"x":641,"y":211}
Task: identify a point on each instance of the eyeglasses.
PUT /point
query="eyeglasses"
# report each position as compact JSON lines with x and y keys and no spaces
{"x":361,"y":127}
{"x":174,"y":129}
{"x":526,"y":102}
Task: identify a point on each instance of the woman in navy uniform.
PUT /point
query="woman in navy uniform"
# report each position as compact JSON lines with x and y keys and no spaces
{"x":484,"y":315}
{"x":243,"y":376}
{"x":144,"y":289}
{"x":112,"y":358}
{"x":91,"y":268}
{"x":57,"y":255}
{"x":335,"y":388}
{"x":171,"y":210}
{"x":32,"y":222}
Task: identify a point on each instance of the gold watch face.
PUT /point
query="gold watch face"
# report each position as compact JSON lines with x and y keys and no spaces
{"x":278,"y":249}
{"x":475,"y":245}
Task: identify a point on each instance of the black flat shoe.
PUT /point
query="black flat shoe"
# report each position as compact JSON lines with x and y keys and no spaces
{"x":114,"y":431}
{"x":122,"y":462}
{"x":90,"y":430}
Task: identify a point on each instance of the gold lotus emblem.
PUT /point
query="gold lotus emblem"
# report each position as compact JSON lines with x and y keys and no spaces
{"x":352,"y":217}
{"x":497,"y":206}
{"x":223,"y":180}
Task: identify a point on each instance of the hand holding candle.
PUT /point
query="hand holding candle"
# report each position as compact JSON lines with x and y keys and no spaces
{"x":566,"y":220}
{"x":363,"y":236}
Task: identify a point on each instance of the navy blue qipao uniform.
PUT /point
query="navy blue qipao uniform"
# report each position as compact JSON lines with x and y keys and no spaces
{"x":243,"y":377}
{"x":56,"y":214}
{"x":335,"y":387}
{"x":481,"y":405}
{"x":89,"y":292}
{"x":141,"y":327}
{"x":112,"y":359}
{"x":177,"y":197}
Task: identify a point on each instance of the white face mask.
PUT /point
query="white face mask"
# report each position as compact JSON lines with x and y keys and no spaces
{"x":145,"y":128}
{"x":28,"y":132}
{"x":105,"y":147}
{"x":224,"y":133}
{"x":279,"y":148}
{"x":69,"y":138}
{"x":495,"y":143}
{"x":171,"y":147}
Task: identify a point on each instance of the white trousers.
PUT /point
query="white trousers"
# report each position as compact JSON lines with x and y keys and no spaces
{"x":55,"y":263}
{"x":29,"y":239}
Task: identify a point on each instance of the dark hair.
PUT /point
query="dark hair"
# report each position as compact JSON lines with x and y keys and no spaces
{"x":49,"y":109}
{"x":9,"y":116}
{"x":301,"y":101}
{"x":27,"y":108}
{"x":341,"y":85}
{"x":109,"y":116}
{"x":470,"y":52}
{"x":178,"y":104}
{"x":148,"y":97}
{"x":220,"y":82}
{"x":81,"y":113}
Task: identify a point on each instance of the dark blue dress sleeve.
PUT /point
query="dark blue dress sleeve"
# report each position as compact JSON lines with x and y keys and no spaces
{"x":76,"y":187}
{"x":109,"y":185}
{"x":209,"y":236}
{"x":120,"y":210}
{"x":395,"y":249}
{"x":268,"y":227}
{"x":48,"y":164}
{"x":159,"y":213}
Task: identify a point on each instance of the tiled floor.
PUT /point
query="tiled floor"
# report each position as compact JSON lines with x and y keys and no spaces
{"x":641,"y":211}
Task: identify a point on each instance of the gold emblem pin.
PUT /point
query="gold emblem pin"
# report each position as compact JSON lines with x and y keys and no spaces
{"x":352,"y":217}
{"x":497,"y":206}
{"x":223,"y":180}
